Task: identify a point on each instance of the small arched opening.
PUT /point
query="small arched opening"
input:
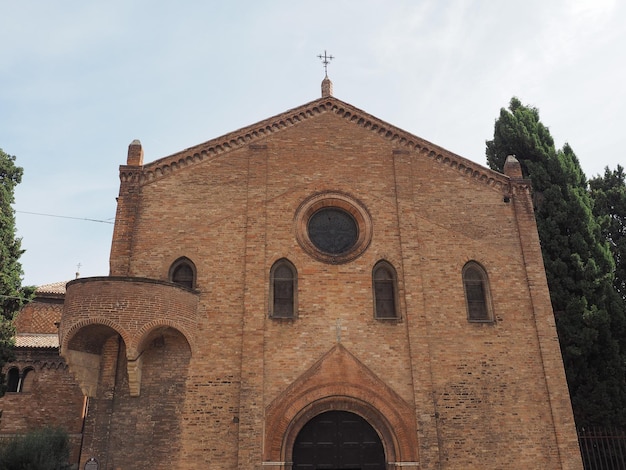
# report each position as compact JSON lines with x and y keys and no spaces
{"x":183,"y":272}
{"x":91,"y":349}
{"x":28,"y":377}
{"x":13,"y":379}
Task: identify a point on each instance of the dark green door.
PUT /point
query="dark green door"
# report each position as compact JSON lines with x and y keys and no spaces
{"x":338,"y":440}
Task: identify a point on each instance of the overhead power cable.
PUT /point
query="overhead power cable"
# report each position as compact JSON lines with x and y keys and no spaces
{"x":2,"y":296}
{"x":67,"y":217}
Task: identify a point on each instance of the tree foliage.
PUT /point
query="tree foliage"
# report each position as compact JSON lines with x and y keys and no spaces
{"x":43,"y":449}
{"x":609,"y":196}
{"x":578,"y":261}
{"x":12,"y":294}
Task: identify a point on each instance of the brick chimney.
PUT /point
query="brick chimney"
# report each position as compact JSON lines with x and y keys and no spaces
{"x":127,"y":207}
{"x":512,"y":168}
{"x":135,"y":154}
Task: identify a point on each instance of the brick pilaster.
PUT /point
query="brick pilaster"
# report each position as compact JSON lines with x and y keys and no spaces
{"x":554,"y":373}
{"x":415,"y":323}
{"x":251,"y":403}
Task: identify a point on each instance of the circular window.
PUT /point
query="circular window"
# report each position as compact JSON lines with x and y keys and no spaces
{"x":333,"y":227}
{"x":333,"y":230}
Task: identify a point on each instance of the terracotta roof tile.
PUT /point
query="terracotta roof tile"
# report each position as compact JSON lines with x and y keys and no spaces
{"x":53,"y":288}
{"x":36,"y":340}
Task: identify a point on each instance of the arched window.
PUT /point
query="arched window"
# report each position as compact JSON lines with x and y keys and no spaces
{"x":28,"y":377}
{"x":13,"y":379}
{"x":183,"y":272}
{"x":283,"y":289}
{"x":385,"y":291}
{"x":476,"y":288}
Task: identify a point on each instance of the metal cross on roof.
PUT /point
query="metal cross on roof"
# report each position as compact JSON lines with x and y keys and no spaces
{"x":325,"y":60}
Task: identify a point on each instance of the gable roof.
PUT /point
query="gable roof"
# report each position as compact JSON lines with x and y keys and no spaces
{"x":293,"y":117}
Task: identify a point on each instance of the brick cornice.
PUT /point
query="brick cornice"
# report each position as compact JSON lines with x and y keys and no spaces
{"x":254,"y":133}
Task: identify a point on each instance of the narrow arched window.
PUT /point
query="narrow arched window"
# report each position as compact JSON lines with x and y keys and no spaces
{"x":183,"y":272}
{"x":283,"y":289}
{"x":385,"y":291}
{"x":13,"y":379}
{"x":476,"y":293}
{"x":26,"y":383}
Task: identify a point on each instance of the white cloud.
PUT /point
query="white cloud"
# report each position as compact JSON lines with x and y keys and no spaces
{"x":82,"y":79}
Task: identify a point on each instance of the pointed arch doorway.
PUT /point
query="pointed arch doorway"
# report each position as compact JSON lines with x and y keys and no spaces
{"x":338,"y":440}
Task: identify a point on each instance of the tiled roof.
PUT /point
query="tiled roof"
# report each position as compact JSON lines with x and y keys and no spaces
{"x":54,"y":288}
{"x":36,"y":340}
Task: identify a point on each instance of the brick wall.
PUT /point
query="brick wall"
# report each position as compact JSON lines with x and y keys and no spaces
{"x":478,"y":395}
{"x":53,"y":398}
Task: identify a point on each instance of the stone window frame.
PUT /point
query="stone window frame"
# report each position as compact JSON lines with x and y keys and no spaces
{"x":184,"y":280}
{"x":388,"y":268}
{"x":293,"y":279}
{"x":479,"y":279}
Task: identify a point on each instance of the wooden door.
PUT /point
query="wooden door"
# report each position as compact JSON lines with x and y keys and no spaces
{"x":338,"y":440}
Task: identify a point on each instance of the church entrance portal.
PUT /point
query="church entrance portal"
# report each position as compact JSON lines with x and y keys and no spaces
{"x":338,"y":440}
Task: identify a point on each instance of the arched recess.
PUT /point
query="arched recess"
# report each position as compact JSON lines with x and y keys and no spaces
{"x":13,"y":380}
{"x":159,"y":340}
{"x":157,"y":381}
{"x":183,"y":272}
{"x":85,"y":347}
{"x":342,"y":403}
{"x":147,"y":332}
{"x":339,"y":381}
{"x":340,"y":439}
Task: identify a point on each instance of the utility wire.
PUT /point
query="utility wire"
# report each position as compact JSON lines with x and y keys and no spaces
{"x":67,"y":217}
{"x":13,"y":297}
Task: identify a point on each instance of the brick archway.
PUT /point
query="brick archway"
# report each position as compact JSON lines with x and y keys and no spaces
{"x":341,"y":403}
{"x":338,"y":381}
{"x":341,"y":439}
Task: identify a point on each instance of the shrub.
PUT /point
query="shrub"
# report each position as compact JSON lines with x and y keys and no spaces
{"x":43,"y":449}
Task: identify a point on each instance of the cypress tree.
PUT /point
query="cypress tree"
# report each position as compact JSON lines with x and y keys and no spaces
{"x":12,"y":294}
{"x":609,"y":206}
{"x":579,"y":264}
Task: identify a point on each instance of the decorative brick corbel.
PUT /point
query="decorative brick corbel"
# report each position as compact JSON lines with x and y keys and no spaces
{"x":86,"y":369}
{"x":134,"y":375}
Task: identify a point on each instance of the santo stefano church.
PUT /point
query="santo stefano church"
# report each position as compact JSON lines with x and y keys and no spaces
{"x":318,"y":290}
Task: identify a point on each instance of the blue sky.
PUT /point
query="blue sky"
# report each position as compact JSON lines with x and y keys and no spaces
{"x":80,"y":80}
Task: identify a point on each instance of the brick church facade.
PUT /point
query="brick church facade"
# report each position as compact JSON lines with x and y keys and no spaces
{"x":319,"y":290}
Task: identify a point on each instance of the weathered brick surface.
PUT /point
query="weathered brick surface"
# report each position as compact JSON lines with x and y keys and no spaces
{"x":52,"y":398}
{"x":217,"y":377}
{"x":120,"y":426}
{"x":39,"y":317}
{"x":49,"y":395}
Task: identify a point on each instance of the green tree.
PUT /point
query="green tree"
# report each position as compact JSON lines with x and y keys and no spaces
{"x":12,"y":294}
{"x":578,"y":261}
{"x":42,"y":449}
{"x":609,"y":197}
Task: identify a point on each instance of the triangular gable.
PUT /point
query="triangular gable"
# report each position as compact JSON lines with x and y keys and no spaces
{"x":338,"y":380}
{"x":256,"y":132}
